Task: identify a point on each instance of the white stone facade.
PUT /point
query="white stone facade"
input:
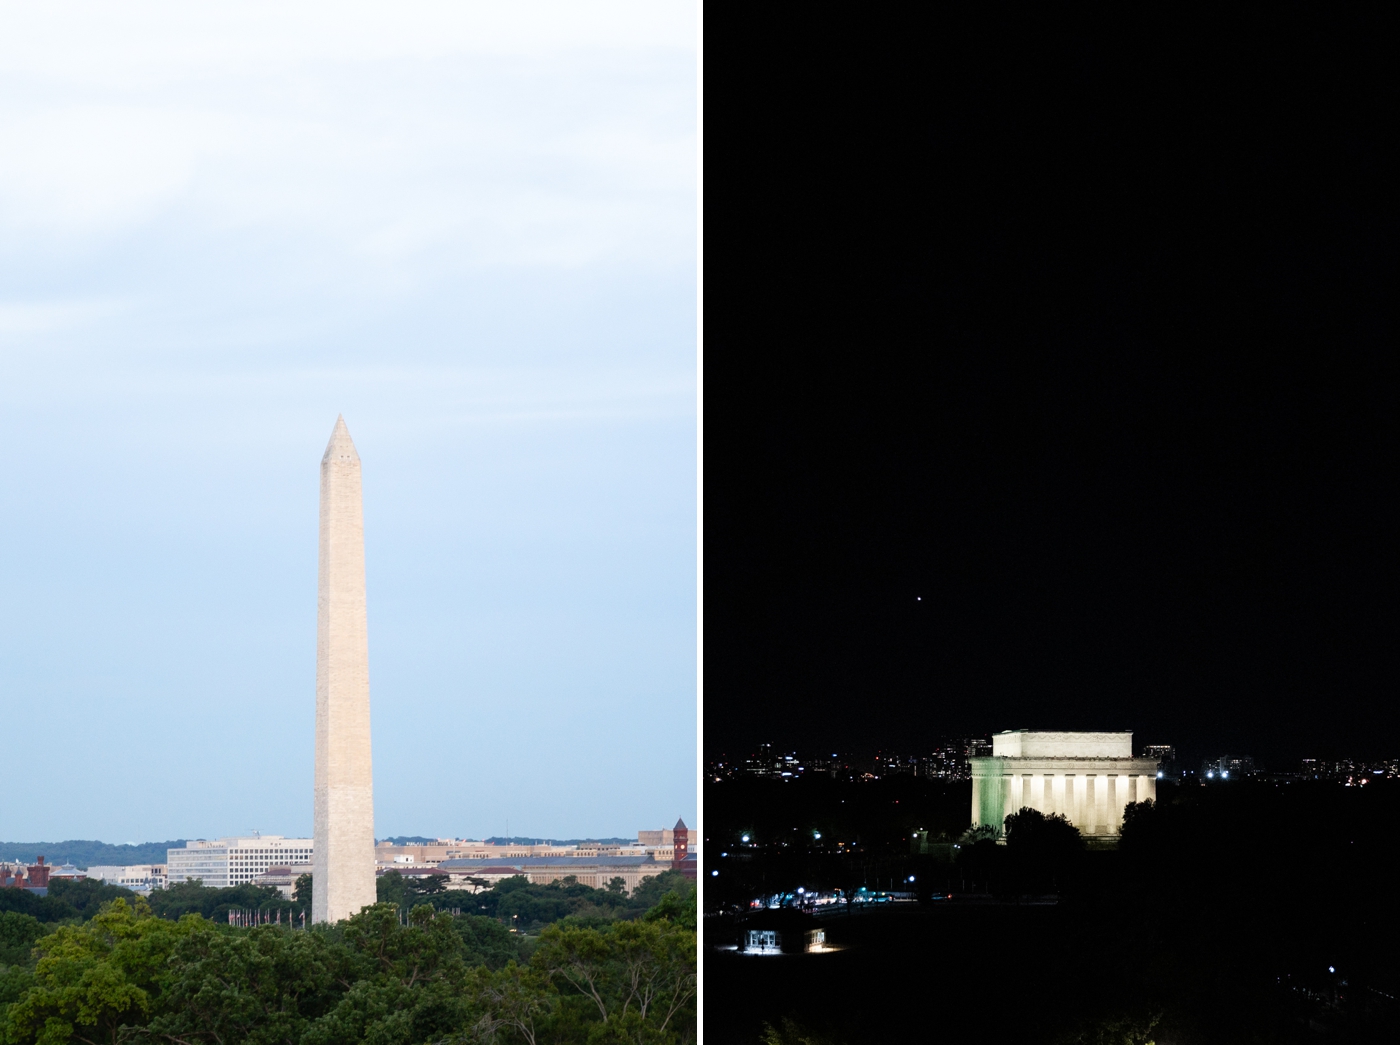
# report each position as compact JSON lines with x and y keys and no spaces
{"x":343,"y":860}
{"x":232,"y":861}
{"x":139,"y":878}
{"x":283,"y":878}
{"x":388,"y":856}
{"x":1086,"y":777}
{"x":595,"y":872}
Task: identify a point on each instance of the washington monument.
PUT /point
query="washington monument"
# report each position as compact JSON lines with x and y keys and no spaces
{"x":343,"y":856}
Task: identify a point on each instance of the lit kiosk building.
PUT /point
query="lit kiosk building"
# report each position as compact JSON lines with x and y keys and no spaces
{"x":1086,"y":777}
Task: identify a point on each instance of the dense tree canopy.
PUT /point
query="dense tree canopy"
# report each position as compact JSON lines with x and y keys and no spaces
{"x":618,"y":969}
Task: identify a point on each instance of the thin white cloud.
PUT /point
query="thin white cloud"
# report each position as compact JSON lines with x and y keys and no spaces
{"x":550,"y":135}
{"x":150,"y":43}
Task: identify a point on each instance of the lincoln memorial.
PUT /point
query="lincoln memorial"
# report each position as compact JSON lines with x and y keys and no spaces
{"x":1086,"y":777}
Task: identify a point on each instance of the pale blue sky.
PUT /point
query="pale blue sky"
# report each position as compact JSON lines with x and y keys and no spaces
{"x":469,"y":228}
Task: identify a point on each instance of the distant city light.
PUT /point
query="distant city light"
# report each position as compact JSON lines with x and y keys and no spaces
{"x":816,"y":834}
{"x":714,"y":874}
{"x":723,"y":854}
{"x":1208,"y":774}
{"x":1225,"y":774}
{"x":1159,"y":774}
{"x":911,"y":877}
{"x":744,"y":839}
{"x":1331,"y":968}
{"x":800,"y":889}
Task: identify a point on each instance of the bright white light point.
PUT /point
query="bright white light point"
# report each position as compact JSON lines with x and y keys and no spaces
{"x":714,"y":874}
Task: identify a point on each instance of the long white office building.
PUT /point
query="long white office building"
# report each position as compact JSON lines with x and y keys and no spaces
{"x":233,"y":861}
{"x":140,"y":878}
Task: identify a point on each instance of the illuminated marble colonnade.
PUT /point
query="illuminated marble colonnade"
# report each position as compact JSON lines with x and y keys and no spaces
{"x":1087,"y":777}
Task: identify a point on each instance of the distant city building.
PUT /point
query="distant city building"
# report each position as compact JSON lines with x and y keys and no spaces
{"x":283,"y":878}
{"x":1227,"y":768}
{"x":947,"y":761}
{"x":387,"y":855}
{"x":139,"y":878}
{"x":951,"y":760}
{"x":1350,"y":771}
{"x":894,"y":765}
{"x":1087,"y":777}
{"x":658,"y":844}
{"x":594,"y":871}
{"x":977,"y":747}
{"x":763,"y":762}
{"x":680,"y":848}
{"x":34,"y":877}
{"x":472,"y":865}
{"x":1165,"y":755}
{"x":233,"y":861}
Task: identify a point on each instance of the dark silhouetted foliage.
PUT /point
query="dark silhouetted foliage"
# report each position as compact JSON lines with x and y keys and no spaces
{"x":87,"y":895}
{"x":128,"y":975}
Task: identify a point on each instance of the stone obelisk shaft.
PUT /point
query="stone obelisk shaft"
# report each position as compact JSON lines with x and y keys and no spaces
{"x":343,"y":858}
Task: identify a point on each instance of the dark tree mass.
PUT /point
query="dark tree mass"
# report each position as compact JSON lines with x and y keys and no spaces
{"x":558,"y":963}
{"x":1239,"y":912}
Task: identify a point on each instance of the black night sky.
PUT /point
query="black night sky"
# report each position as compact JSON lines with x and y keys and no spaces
{"x":1096,"y":362}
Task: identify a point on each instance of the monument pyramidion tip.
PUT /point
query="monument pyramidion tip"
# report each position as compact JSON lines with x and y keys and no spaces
{"x":340,"y":445}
